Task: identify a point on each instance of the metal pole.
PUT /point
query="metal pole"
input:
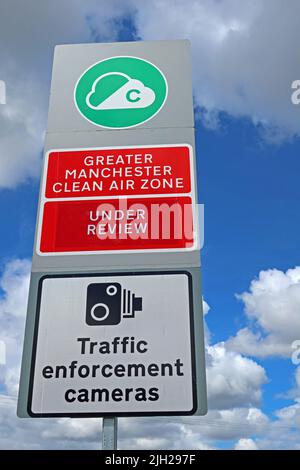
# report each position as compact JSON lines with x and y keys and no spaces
{"x":109,"y":433}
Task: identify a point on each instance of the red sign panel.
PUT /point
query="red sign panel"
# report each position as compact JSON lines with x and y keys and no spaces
{"x":114,"y":172}
{"x":117,"y":199}
{"x":117,"y":224}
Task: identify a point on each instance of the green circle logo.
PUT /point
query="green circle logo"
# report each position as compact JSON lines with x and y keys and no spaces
{"x":120,"y":92}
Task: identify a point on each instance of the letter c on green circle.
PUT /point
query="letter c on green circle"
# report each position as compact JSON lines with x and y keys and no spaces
{"x":130,"y":98}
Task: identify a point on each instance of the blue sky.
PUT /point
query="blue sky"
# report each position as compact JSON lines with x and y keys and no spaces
{"x":248,"y":146}
{"x":251,"y":196}
{"x":251,"y":192}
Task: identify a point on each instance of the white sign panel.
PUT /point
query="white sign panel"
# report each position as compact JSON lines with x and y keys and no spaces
{"x":118,"y":344}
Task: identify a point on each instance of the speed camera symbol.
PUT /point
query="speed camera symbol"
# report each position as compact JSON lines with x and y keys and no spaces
{"x":108,"y":303}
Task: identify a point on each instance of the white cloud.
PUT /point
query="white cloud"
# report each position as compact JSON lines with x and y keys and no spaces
{"x":73,"y":429}
{"x":26,"y":50}
{"x":142,"y":433}
{"x":14,"y":283}
{"x":244,"y":62}
{"x":272,"y":306}
{"x":207,"y":333}
{"x":244,"y":56}
{"x":16,"y":433}
{"x":245,"y":444}
{"x":206,"y":307}
{"x":21,"y":127}
{"x":226,"y":425}
{"x":232,"y":380}
{"x":294,"y":392}
{"x":284,"y":431}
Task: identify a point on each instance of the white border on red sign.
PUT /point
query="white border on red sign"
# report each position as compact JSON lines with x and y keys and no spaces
{"x":44,"y":199}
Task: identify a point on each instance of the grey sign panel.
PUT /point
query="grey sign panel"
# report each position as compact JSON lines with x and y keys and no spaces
{"x":109,"y":96}
{"x":71,"y":61}
{"x":125,"y":344}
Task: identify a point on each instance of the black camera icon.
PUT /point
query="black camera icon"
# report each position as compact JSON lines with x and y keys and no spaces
{"x":107,"y":303}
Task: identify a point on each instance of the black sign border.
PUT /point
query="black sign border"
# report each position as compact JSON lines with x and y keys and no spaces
{"x":122,"y":414}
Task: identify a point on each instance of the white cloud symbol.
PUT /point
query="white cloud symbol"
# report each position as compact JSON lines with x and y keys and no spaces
{"x":132,"y":95}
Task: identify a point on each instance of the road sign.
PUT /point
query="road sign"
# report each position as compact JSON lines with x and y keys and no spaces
{"x":116,"y":260}
{"x":130,"y":224}
{"x":121,"y":92}
{"x":118,"y":344}
{"x":76,"y":217}
{"x":162,"y":66}
{"x":116,"y":171}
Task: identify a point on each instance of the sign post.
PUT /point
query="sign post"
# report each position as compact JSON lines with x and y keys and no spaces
{"x":114,"y":322}
{"x":110,"y":434}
